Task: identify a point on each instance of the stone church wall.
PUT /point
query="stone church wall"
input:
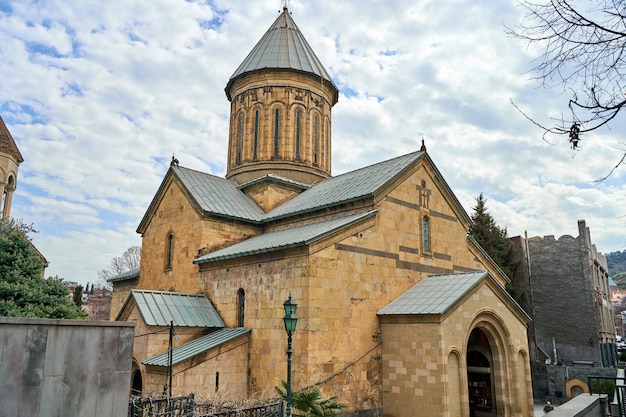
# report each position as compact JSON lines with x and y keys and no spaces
{"x":340,"y":284}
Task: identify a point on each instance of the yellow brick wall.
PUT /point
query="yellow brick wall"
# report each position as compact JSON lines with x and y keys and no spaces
{"x":175,"y":214}
{"x":339,"y":285}
{"x":421,"y":359}
{"x":266,"y":91}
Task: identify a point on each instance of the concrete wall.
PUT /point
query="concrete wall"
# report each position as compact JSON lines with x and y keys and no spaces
{"x":64,"y":368}
{"x":584,"y":405}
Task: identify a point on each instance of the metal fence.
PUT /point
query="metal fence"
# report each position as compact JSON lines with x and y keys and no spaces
{"x":187,"y":407}
{"x":268,"y":410}
{"x":162,"y":407}
{"x":614,"y":388}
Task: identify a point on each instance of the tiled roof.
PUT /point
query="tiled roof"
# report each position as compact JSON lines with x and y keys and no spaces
{"x":195,"y":347}
{"x":218,"y":196}
{"x":284,"y":239}
{"x":282,"y":47}
{"x":7,"y":144}
{"x":159,"y":308}
{"x":125,"y":276}
{"x":355,"y":185}
{"x":434,"y":294}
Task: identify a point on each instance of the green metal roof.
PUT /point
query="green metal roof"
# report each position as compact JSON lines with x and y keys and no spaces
{"x":125,"y":276}
{"x":282,"y":47}
{"x":222,"y":197}
{"x":284,"y":239}
{"x":434,"y":294}
{"x":195,"y":347}
{"x":218,"y":196}
{"x":352,"y":186}
{"x":159,"y":308}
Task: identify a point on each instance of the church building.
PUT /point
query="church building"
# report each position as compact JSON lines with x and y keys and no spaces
{"x":398,"y":308}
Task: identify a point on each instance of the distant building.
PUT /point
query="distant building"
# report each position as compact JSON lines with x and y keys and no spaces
{"x":10,"y":159}
{"x":564,"y":285}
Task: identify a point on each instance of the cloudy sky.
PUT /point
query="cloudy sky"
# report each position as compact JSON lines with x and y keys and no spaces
{"x":98,"y":96}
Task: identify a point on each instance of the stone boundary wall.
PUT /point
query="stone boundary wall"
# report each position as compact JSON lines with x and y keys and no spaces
{"x":64,"y":368}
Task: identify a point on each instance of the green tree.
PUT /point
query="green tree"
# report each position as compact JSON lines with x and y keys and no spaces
{"x":23,"y":293}
{"x":308,"y":402}
{"x":77,"y":296}
{"x":493,"y":238}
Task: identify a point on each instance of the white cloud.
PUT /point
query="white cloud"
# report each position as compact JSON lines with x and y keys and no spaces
{"x":100,"y":98}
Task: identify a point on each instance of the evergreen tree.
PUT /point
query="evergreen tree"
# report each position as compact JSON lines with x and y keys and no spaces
{"x":23,"y":293}
{"x":493,"y":239}
{"x":77,"y":296}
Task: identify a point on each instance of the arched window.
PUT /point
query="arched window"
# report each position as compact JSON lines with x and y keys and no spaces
{"x":136,"y":384}
{"x":315,"y":139}
{"x":297,"y":138}
{"x":239,"y":140}
{"x":255,"y":146}
{"x":169,"y":250}
{"x":241,"y":304}
{"x":426,"y":233}
{"x":276,"y":130}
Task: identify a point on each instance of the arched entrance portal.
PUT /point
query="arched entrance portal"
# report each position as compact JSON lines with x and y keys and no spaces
{"x":480,"y":375}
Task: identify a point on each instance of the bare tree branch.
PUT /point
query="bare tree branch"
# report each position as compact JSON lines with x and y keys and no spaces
{"x":582,"y":51}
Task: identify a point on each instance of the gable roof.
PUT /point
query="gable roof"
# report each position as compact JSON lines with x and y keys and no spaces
{"x":7,"y":144}
{"x":125,"y":276}
{"x":195,"y":347}
{"x":345,"y":188}
{"x":224,"y":198}
{"x":434,"y":294}
{"x":284,"y":239}
{"x":159,"y":308}
{"x":282,"y":47}
{"x":211,"y":194}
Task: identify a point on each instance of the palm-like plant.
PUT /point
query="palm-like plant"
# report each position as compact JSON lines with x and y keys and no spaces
{"x":309,"y":402}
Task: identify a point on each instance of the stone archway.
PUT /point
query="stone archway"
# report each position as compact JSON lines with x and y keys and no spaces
{"x":480,"y":375}
{"x":136,"y":380}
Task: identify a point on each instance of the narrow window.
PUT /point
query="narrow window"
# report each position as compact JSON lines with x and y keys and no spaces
{"x":241,"y":304}
{"x":276,"y":130}
{"x":426,"y":233}
{"x":298,"y":115}
{"x":170,"y":250}
{"x":315,"y":139}
{"x":239,"y":139}
{"x":217,"y":381}
{"x":256,"y":135}
{"x":326,"y":145}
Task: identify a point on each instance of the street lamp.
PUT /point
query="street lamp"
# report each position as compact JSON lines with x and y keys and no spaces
{"x":290,"y":320}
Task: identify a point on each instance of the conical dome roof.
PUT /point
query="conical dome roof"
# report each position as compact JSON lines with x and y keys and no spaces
{"x":7,"y":144}
{"x":282,"y":47}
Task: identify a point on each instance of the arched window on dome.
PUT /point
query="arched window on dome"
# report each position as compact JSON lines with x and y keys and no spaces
{"x":255,"y":146}
{"x":315,"y":139}
{"x":239,"y":140}
{"x":276,"y":131}
{"x":297,"y":133}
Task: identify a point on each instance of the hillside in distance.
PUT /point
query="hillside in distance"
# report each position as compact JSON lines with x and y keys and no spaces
{"x":616,"y":261}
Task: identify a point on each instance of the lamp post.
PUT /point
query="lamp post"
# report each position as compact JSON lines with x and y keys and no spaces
{"x":290,"y":320}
